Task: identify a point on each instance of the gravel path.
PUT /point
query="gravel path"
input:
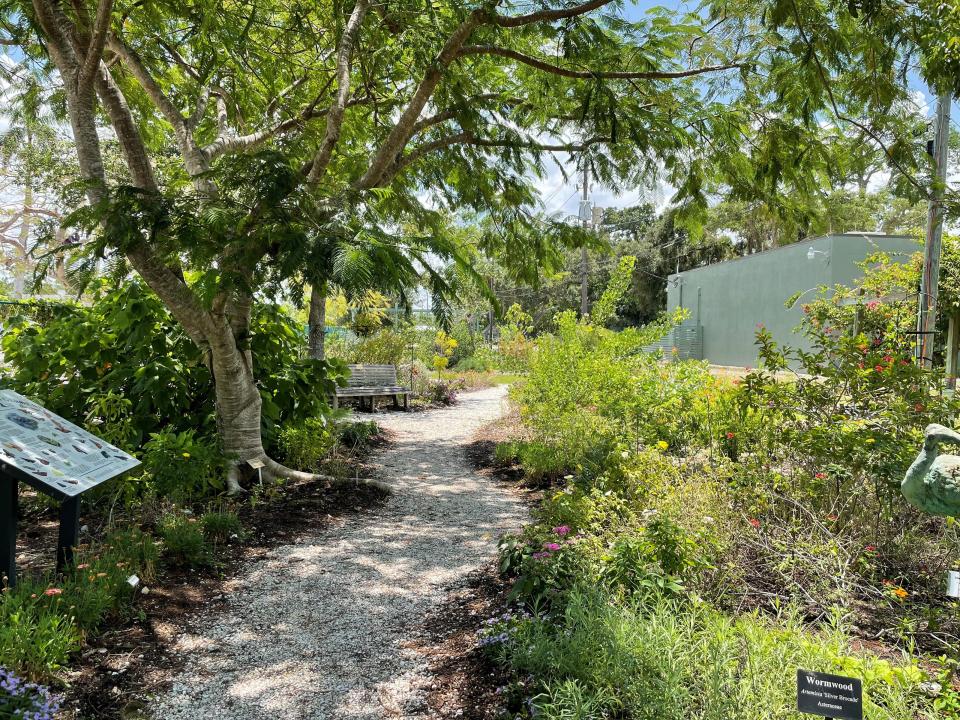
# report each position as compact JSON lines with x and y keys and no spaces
{"x":319,"y":629}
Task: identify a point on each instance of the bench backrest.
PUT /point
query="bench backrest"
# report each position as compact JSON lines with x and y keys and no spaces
{"x":372,"y":376}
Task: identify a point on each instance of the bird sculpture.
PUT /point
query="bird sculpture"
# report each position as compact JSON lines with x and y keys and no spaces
{"x":933,"y":481}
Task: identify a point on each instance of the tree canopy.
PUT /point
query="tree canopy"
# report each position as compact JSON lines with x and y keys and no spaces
{"x":269,"y":144}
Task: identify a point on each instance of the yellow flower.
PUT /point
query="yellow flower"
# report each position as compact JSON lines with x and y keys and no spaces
{"x":870,"y":441}
{"x":186,"y":455}
{"x":900,"y":593}
{"x":663,"y":445}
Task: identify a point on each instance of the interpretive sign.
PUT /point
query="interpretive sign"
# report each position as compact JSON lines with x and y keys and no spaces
{"x":55,"y":457}
{"x":831,"y":696}
{"x":50,"y":453}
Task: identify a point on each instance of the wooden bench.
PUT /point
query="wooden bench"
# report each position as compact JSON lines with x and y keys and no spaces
{"x":373,"y":381}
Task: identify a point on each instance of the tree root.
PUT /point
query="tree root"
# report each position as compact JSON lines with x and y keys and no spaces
{"x":275,"y":469}
{"x":233,"y":480}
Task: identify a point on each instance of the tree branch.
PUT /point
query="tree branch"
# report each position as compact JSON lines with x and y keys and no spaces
{"x":135,"y":64}
{"x":98,"y":37}
{"x":402,"y":130}
{"x":590,"y":74}
{"x":549,"y":15}
{"x":470,"y":138}
{"x":335,"y":117}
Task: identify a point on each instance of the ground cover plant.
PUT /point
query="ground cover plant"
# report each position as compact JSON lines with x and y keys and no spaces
{"x":701,"y":538}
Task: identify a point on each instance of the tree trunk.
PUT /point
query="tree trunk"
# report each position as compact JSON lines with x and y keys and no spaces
{"x":22,"y":263}
{"x":238,"y":406}
{"x":318,"y":320}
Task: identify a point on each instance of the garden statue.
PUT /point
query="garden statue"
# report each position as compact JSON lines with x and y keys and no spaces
{"x":933,"y":481}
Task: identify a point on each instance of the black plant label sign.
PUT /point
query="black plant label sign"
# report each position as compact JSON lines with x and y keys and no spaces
{"x":832,"y":696}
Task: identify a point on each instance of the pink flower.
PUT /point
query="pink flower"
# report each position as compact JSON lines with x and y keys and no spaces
{"x":820,"y":476}
{"x":552,"y":547}
{"x":755,"y":523}
{"x":52,"y":591}
{"x":730,"y":436}
{"x":562,"y":530}
{"x":871,"y":548}
{"x":873,"y":305}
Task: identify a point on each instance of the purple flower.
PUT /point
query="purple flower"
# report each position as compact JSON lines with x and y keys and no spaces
{"x":540,"y":555}
{"x":561,"y":530}
{"x":26,"y":700}
{"x":551,"y":546}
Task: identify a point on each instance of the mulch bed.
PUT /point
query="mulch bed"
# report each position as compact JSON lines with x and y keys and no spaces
{"x":131,"y":659}
{"x":465,"y":680}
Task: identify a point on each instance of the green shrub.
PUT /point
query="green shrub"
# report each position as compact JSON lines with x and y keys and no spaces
{"x":570,"y":700}
{"x":181,"y":467}
{"x":123,"y":367}
{"x":183,"y":541}
{"x":43,"y":623}
{"x":304,"y":445}
{"x":669,"y":662}
{"x":220,"y":526}
{"x":97,"y":585}
{"x":358,"y":433}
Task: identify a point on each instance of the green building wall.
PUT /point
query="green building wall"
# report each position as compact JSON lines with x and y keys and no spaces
{"x":728,"y":300}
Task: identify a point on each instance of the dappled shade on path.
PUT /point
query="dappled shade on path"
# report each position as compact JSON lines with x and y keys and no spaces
{"x":322,"y":628}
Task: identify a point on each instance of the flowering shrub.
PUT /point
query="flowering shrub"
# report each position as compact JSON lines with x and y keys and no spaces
{"x":692,"y":501}
{"x":26,"y":700}
{"x":443,"y":392}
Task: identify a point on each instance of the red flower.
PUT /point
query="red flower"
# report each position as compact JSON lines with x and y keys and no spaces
{"x":879,"y":368}
{"x":820,"y":476}
{"x":755,"y":523}
{"x":888,"y":358}
{"x":871,"y":548}
{"x":730,"y":436}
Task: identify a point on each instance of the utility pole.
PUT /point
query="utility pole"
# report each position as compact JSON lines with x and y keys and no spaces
{"x":586,"y":217}
{"x":927,"y":315}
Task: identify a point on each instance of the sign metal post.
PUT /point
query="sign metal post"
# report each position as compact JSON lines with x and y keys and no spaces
{"x":8,"y":530}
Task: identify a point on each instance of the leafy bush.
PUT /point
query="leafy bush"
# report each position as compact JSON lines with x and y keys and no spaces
{"x":306,"y":444}
{"x":20,"y":699}
{"x":123,"y":367}
{"x":682,"y":495}
{"x":183,"y":540}
{"x":36,"y":636}
{"x":180,"y":466}
{"x":98,"y":585}
{"x":357,"y":434}
{"x":443,"y":392}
